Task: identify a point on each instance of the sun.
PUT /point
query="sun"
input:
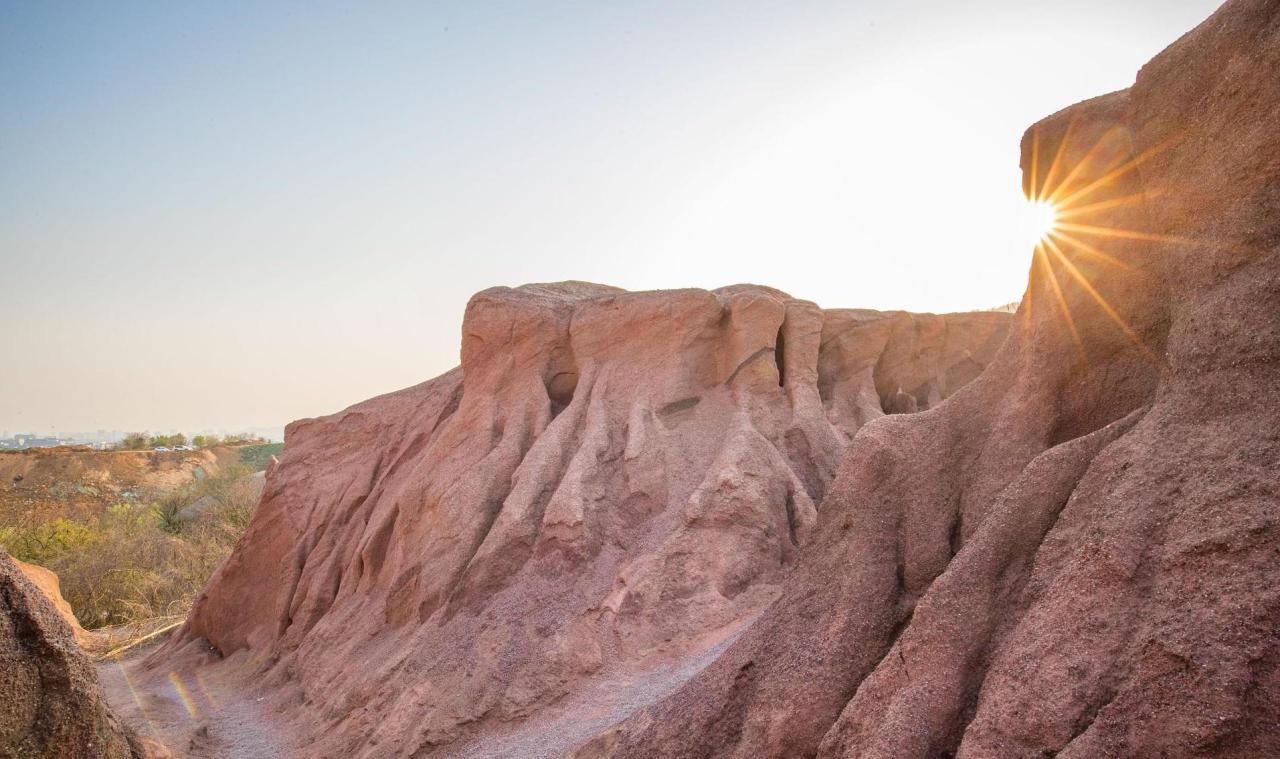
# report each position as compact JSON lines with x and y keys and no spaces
{"x":1039,"y":221}
{"x":1062,"y":221}
{"x":1044,"y":218}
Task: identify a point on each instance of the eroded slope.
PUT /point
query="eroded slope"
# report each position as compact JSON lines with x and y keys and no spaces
{"x":1077,"y":555}
{"x":609,"y":488}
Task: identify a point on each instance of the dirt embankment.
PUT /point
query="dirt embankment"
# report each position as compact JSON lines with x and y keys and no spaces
{"x":79,"y":481}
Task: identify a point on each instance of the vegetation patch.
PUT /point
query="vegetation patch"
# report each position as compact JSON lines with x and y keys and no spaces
{"x":142,"y":559}
{"x":258,"y":456}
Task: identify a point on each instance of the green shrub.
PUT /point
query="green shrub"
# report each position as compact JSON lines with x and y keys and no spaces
{"x":39,"y":542}
{"x":257,"y":456}
{"x":141,"y":441}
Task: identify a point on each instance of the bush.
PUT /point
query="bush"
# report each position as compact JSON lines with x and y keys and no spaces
{"x":138,"y":561}
{"x":40,"y":542}
{"x":257,"y":456}
{"x":141,"y":441}
{"x":168,"y":441}
{"x":134,"y":441}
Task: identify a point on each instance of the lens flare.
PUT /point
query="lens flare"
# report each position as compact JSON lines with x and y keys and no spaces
{"x":1040,"y":220}
{"x":1065,"y":221}
{"x":184,"y":696}
{"x":133,"y":693}
{"x":1044,"y":218}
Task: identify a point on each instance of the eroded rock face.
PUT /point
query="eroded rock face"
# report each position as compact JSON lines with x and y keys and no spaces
{"x":51,"y":703}
{"x":610,"y":486}
{"x":46,"y":581}
{"x":1078,"y":555}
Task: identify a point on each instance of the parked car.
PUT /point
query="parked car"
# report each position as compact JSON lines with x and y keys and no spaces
{"x":183,"y":448}
{"x":161,"y":449}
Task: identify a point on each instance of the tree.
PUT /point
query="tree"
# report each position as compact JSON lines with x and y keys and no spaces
{"x":168,"y":441}
{"x":134,"y":441}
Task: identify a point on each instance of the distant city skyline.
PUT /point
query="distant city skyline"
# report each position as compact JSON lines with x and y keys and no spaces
{"x":18,"y":439}
{"x":237,"y":215}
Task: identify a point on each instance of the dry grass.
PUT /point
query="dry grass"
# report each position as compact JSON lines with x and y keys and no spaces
{"x":139,"y":561}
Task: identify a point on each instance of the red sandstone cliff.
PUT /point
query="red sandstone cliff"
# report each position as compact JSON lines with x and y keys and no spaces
{"x":610,"y":486}
{"x":622,"y":503}
{"x":1078,"y":555}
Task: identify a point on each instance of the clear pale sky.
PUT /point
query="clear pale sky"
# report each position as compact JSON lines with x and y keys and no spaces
{"x":223,"y":215}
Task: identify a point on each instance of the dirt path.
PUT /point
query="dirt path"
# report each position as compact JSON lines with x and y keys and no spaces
{"x":559,"y":729}
{"x":207,"y":713}
{"x":196,"y":714}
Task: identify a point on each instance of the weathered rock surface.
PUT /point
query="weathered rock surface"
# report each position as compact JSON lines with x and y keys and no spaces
{"x":610,"y":486}
{"x":1077,"y":555}
{"x":46,"y":581}
{"x":51,"y":703}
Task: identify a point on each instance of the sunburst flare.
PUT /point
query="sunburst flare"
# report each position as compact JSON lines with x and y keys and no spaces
{"x":1060,"y":222}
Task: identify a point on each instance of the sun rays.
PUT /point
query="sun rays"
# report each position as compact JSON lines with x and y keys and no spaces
{"x":1070,"y":216}
{"x":1039,"y":221}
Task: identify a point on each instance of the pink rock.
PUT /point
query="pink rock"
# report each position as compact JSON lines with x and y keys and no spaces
{"x":51,"y":702}
{"x":1078,"y":554}
{"x":612,"y":483}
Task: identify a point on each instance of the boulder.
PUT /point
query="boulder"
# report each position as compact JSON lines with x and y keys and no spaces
{"x":52,"y":705}
{"x":196,"y":509}
{"x":46,"y":581}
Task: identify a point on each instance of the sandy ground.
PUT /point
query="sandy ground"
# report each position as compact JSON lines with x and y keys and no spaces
{"x":585,"y":714}
{"x":195,"y":714}
{"x":208,"y":713}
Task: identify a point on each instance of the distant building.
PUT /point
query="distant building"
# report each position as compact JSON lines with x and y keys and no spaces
{"x":19,"y":442}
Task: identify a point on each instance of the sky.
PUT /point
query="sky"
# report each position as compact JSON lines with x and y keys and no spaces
{"x":233,"y":215}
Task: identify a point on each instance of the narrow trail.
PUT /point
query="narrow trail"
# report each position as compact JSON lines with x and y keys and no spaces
{"x":583,"y":715}
{"x":195,"y":714}
{"x":207,"y":713}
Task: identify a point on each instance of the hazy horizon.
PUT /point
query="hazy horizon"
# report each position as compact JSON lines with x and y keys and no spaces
{"x":233,"y":217}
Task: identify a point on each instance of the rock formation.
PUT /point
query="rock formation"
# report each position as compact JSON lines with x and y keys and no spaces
{"x":609,"y":487}
{"x":616,"y":526}
{"x":46,"y":581}
{"x":1077,"y":555}
{"x":51,"y":703}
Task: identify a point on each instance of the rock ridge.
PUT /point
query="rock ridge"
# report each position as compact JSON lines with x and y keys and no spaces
{"x":611,"y":482}
{"x":1076,"y":555}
